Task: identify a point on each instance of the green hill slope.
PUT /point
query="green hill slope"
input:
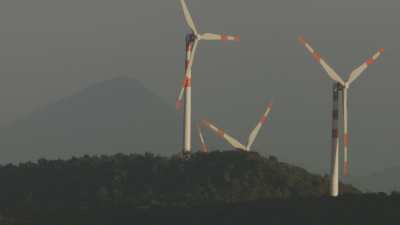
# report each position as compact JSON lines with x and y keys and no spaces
{"x":148,"y":180}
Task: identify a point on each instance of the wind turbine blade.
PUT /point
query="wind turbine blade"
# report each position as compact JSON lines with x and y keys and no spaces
{"x":263,"y":120}
{"x":188,"y":17}
{"x":345,"y":133}
{"x":219,"y":37}
{"x":358,"y":71}
{"x":221,"y":133}
{"x":202,"y":141}
{"x":193,"y":54}
{"x":190,"y":50}
{"x":332,"y":73}
{"x":185,"y":83}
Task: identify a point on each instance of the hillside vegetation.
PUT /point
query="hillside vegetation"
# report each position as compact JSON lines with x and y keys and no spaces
{"x":146,"y":180}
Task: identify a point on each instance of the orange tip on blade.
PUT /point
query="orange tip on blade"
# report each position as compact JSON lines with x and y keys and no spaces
{"x":237,"y":38}
{"x":382,"y":50}
{"x":301,"y":40}
{"x":178,"y":105}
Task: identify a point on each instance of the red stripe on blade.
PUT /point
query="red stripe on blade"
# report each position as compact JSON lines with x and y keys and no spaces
{"x":264,"y":120}
{"x":221,"y":133}
{"x":317,"y":56}
{"x":178,"y":105}
{"x":224,"y":38}
{"x":188,"y":82}
{"x":189,"y":47}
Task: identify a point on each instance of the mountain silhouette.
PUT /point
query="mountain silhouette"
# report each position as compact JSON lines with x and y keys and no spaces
{"x":112,"y":116}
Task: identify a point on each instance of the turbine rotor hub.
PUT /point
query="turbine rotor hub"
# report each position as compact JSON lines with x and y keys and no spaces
{"x":191,"y":37}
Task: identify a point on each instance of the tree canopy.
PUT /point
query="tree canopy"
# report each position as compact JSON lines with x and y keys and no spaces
{"x":217,"y":188}
{"x":147,"y":180}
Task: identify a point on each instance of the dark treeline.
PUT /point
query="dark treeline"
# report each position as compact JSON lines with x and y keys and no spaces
{"x":219,"y":186}
{"x":359,"y":209}
{"x":148,"y":180}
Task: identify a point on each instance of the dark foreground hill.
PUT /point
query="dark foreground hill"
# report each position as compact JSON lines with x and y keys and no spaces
{"x":217,"y":188}
{"x":109,"y":117}
{"x":361,"y":209}
{"x":147,"y":181}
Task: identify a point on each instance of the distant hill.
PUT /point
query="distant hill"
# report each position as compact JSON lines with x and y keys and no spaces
{"x":146,"y":180}
{"x":113,"y":116}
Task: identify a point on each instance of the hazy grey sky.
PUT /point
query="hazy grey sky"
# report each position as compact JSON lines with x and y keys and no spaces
{"x":52,"y":48}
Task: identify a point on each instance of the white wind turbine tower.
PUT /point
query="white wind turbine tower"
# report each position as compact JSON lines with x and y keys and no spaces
{"x":252,"y":137}
{"x":192,"y":40}
{"x":339,"y":86}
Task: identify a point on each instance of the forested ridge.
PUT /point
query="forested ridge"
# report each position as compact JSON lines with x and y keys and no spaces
{"x":228,"y":187}
{"x":145,"y":180}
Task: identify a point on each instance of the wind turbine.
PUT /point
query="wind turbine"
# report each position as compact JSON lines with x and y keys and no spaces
{"x":204,"y":148}
{"x":192,"y":41}
{"x":340,"y":86}
{"x":252,"y":137}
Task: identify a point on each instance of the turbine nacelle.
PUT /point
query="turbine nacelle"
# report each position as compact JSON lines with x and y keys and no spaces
{"x":195,"y":35}
{"x":190,"y":38}
{"x":341,"y":86}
